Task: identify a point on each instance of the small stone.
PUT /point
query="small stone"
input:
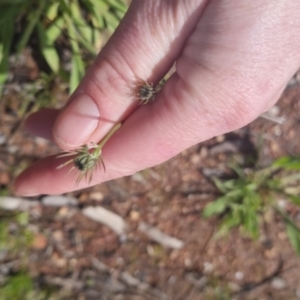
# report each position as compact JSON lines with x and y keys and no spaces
{"x":2,"y":139}
{"x":239,"y":275}
{"x":59,"y":201}
{"x":39,"y":242}
{"x":187,"y":262}
{"x":58,"y":261}
{"x":58,"y":235}
{"x":274,"y":111}
{"x":106,"y":217}
{"x":203,"y":152}
{"x":196,"y":159}
{"x":282,"y":203}
{"x":220,"y":138}
{"x":13,"y":203}
{"x":63,"y":211}
{"x":134,"y":215}
{"x":271,"y":253}
{"x":12,"y":149}
{"x":226,"y":147}
{"x":234,"y":287}
{"x":208,"y":267}
{"x":278,"y":283}
{"x":97,"y":196}
{"x":138,"y":177}
{"x":161,"y":238}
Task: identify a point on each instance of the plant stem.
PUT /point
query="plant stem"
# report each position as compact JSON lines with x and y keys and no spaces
{"x":107,"y":137}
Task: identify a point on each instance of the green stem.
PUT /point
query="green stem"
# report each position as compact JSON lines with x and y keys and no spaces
{"x":107,"y":137}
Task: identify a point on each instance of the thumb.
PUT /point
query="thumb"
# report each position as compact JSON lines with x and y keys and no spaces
{"x":144,"y":47}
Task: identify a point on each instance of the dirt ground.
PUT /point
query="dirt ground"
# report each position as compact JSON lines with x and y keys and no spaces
{"x":85,"y":259}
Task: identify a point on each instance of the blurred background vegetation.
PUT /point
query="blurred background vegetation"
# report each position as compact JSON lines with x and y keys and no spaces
{"x":64,"y":36}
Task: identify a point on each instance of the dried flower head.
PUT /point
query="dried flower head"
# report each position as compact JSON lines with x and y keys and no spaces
{"x":144,"y":92}
{"x":85,"y":161}
{"x":87,"y":158}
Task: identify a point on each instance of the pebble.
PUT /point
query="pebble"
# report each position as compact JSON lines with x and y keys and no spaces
{"x":234,"y":287}
{"x":274,"y":111}
{"x":97,"y":196}
{"x":106,"y":217}
{"x":59,"y":201}
{"x":208,"y":267}
{"x":134,"y":215}
{"x":220,"y":138}
{"x":58,"y":235}
{"x":58,"y":261}
{"x":161,"y":238}
{"x":2,"y":139}
{"x":39,"y":242}
{"x":278,"y":283}
{"x":239,"y":275}
{"x":196,"y":159}
{"x":223,"y":147}
{"x":12,"y":203}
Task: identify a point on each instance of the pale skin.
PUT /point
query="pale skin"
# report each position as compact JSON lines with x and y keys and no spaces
{"x":233,"y":60}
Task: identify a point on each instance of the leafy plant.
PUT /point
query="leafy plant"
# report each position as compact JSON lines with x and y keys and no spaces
{"x":21,"y":286}
{"x":14,"y":235}
{"x":73,"y":22}
{"x":253,"y":191}
{"x":16,"y":241}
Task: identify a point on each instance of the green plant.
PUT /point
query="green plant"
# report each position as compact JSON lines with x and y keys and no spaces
{"x":21,"y":286}
{"x":253,"y":191}
{"x":14,"y":235}
{"x":74,"y":23}
{"x":16,"y":241}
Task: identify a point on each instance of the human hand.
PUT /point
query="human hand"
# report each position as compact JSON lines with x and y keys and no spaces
{"x":233,"y":60}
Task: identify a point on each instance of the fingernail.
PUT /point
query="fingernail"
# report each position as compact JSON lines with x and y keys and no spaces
{"x":76,"y":122}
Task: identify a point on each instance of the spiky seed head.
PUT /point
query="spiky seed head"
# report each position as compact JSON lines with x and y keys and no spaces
{"x":85,"y":161}
{"x":144,"y":92}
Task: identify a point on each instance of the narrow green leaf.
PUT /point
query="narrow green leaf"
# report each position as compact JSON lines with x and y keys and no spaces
{"x":288,"y":163}
{"x":294,"y":236}
{"x":118,"y":5}
{"x":32,"y":21}
{"x":231,"y":221}
{"x":216,"y":207}
{"x":221,"y":186}
{"x":250,"y":223}
{"x":294,"y":199}
{"x":52,"y":11}
{"x":77,"y":72}
{"x":48,"y":50}
{"x":111,"y":20}
{"x":55,"y":30}
{"x":6,"y":37}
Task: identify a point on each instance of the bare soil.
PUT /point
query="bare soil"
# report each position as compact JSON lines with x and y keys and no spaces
{"x":170,"y":197}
